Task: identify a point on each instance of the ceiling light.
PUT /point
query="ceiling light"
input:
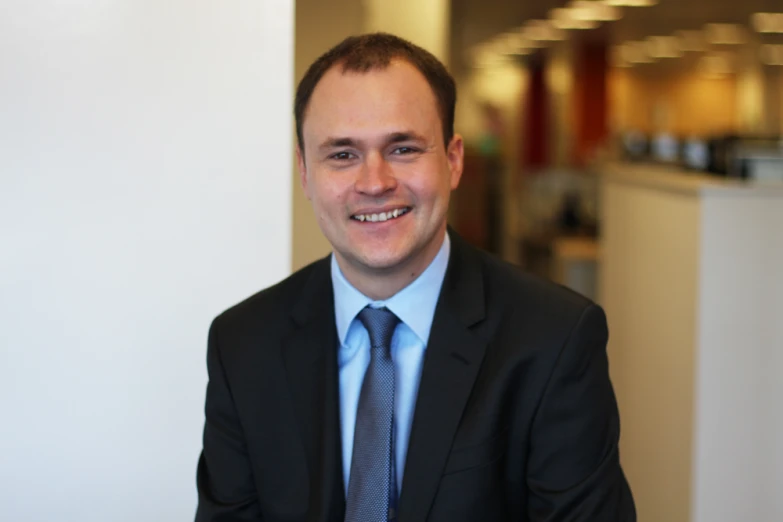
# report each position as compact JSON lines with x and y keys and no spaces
{"x":618,"y":57}
{"x":521,"y":51}
{"x":691,"y":41}
{"x":635,"y":52}
{"x":664,"y":47}
{"x":594,"y":11}
{"x":772,"y":54}
{"x":564,"y":18}
{"x":767,"y":22}
{"x":509,"y":44}
{"x":726,"y":34}
{"x":487,"y":57}
{"x":630,"y":3}
{"x":575,"y":24}
{"x":715,"y":65}
{"x":515,"y":41}
{"x":542,"y":31}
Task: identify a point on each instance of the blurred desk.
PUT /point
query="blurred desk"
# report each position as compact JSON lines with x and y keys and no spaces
{"x":571,"y":261}
{"x":575,"y":263}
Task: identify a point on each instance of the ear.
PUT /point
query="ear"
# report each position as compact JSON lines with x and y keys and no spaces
{"x":302,"y":168}
{"x":455,"y":154}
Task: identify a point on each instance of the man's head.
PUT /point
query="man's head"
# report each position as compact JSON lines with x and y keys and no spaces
{"x":361,"y":54}
{"x":377,"y":156}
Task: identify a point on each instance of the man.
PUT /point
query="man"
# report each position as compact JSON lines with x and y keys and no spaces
{"x":408,"y":376}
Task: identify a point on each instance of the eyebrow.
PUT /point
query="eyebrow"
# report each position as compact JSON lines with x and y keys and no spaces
{"x":332,"y":143}
{"x":394,"y":137}
{"x":398,"y":137}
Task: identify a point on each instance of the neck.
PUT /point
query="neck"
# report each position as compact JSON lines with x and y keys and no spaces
{"x":380,"y":284}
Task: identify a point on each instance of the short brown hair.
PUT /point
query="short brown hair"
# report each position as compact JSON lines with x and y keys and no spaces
{"x":375,"y":51}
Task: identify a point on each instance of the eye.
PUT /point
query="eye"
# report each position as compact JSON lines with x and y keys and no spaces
{"x":403,"y":151}
{"x":342,"y":156}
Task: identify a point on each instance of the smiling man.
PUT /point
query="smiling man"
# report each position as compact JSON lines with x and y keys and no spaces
{"x":407,"y":376}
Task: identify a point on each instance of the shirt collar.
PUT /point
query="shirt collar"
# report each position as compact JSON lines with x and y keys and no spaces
{"x":407,"y":304}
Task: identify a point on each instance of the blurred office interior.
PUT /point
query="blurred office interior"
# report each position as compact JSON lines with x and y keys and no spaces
{"x":633,"y":151}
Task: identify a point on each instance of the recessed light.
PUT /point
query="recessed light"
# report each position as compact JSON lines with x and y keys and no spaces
{"x":486,"y":57}
{"x":691,"y":41}
{"x":630,"y":3}
{"x":594,"y":11}
{"x":725,"y":34}
{"x":514,"y":41}
{"x":543,"y":31}
{"x":664,"y":47}
{"x":635,"y":52}
{"x":772,"y":54}
{"x":767,"y":22}
{"x":716,"y":65}
{"x":565,"y":18}
{"x":617,"y":58}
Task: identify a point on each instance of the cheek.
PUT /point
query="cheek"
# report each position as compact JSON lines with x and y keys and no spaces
{"x":329,"y":200}
{"x":431,"y":189}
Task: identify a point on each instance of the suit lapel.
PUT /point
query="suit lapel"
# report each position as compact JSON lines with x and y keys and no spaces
{"x":451,"y":364}
{"x":310,"y":358}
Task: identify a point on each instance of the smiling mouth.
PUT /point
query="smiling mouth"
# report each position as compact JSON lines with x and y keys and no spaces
{"x":382,"y":216}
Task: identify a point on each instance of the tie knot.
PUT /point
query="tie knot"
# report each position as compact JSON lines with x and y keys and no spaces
{"x":380,"y":324}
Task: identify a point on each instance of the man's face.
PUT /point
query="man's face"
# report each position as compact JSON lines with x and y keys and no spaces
{"x":376,"y":169}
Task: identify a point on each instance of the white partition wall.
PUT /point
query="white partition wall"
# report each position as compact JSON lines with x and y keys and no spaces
{"x":144,"y":187}
{"x":692,"y":283}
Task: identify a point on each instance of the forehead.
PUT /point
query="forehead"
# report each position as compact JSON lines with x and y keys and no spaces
{"x":347,"y":103}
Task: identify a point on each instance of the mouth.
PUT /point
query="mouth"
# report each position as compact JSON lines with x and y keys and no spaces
{"x":381,"y":216}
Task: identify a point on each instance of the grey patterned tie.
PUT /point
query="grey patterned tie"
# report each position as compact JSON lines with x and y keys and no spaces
{"x":370,"y":482}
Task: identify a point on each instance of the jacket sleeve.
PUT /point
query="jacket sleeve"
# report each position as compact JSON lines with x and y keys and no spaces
{"x":226,"y":489}
{"x":574,"y":471}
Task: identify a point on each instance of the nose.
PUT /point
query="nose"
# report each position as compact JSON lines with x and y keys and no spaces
{"x":376,"y":176}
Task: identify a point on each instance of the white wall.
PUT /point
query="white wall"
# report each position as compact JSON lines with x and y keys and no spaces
{"x":738,"y":464}
{"x":691,"y":282}
{"x":648,"y":286}
{"x":144,"y":187}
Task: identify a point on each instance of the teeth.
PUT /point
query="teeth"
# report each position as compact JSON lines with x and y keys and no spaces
{"x":383,"y":216}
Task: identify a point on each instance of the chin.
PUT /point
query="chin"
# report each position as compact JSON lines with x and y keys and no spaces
{"x":382,"y":262}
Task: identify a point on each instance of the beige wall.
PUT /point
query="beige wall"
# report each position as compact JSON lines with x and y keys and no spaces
{"x":425,"y":23}
{"x":319,"y":26}
{"x":685,"y":104}
{"x":647,"y":281}
{"x":772,"y":117}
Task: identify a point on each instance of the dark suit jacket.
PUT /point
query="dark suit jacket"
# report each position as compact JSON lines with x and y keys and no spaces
{"x":515,"y":419}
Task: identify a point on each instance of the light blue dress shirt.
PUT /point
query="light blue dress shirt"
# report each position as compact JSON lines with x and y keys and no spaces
{"x":415,"y":307}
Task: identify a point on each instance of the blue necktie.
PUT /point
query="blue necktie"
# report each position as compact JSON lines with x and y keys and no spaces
{"x":371,"y":490}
